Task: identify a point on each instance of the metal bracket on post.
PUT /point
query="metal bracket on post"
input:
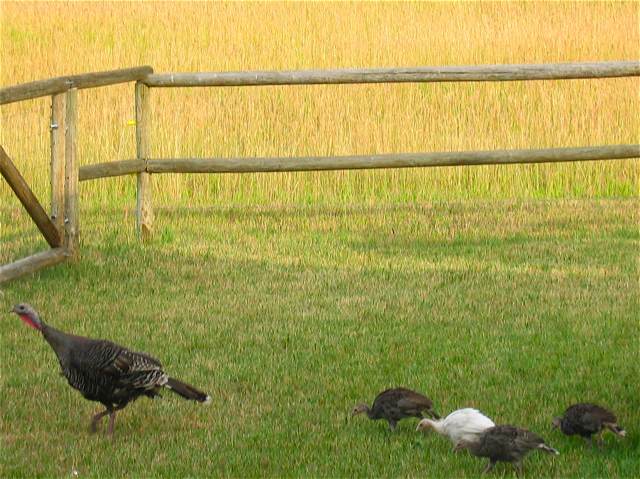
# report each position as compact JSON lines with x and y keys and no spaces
{"x":58,"y":113}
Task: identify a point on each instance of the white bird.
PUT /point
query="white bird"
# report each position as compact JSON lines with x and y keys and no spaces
{"x":464,"y":424}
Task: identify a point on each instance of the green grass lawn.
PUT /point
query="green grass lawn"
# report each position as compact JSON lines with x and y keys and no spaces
{"x":289,"y":316}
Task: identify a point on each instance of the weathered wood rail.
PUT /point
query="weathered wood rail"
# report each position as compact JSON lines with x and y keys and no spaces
{"x":33,"y":263}
{"x":28,"y":200}
{"x":62,"y":233}
{"x":321,"y":163}
{"x":557,"y":71}
{"x":53,"y":86}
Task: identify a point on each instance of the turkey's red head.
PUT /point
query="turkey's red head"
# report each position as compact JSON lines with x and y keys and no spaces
{"x":28,"y":315}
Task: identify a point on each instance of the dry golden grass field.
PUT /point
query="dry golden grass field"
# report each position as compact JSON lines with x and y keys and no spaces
{"x":41,"y":40}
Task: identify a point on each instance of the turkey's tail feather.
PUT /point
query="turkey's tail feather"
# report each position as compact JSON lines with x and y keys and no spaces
{"x":616,"y":429}
{"x":548,"y":449}
{"x":186,"y":391}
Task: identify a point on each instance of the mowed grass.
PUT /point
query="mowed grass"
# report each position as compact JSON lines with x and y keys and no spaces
{"x":289,"y":316}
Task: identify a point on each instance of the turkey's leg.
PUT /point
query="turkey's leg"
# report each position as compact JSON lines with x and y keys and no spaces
{"x":96,"y":419}
{"x":518,"y":468}
{"x":489,"y":467}
{"x":112,"y":419}
{"x":112,"y":422}
{"x":599,"y":439}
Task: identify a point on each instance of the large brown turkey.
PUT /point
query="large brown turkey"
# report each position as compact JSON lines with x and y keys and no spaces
{"x":105,"y":372}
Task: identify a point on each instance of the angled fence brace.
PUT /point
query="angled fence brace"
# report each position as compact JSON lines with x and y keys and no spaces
{"x":40,"y":218}
{"x":28,"y":200}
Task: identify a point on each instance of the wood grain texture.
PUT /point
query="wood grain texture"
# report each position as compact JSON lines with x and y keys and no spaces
{"x":144,"y":208}
{"x":28,"y":200}
{"x":57,"y":85}
{"x":110,"y":169}
{"x":58,"y":112}
{"x":32,"y":263}
{"x":318,"y":163}
{"x":35,"y":89}
{"x":71,"y":173}
{"x":554,"y":71}
{"x":401,"y":160}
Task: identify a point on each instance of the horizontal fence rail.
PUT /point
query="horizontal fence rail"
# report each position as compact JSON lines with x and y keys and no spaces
{"x":110,"y":169}
{"x":36,"y":89}
{"x":317,"y":163}
{"x":553,"y":71}
{"x":32,"y":263}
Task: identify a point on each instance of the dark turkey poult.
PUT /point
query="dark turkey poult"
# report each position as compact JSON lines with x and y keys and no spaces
{"x":105,"y":372}
{"x":586,"y":420}
{"x":505,"y":444}
{"x":396,"y":404}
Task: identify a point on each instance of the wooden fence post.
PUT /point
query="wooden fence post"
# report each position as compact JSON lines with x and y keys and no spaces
{"x":71,"y":173}
{"x":58,"y":112}
{"x":144,"y":208}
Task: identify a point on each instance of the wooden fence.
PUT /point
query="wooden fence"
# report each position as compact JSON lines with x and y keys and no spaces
{"x":60,"y":228}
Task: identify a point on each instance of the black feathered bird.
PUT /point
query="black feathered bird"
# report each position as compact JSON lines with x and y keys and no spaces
{"x":587,"y":419}
{"x":396,"y":404}
{"x":106,"y":372}
{"x":505,"y":444}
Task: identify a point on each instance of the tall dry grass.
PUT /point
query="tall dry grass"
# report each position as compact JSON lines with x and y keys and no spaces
{"x":41,"y":40}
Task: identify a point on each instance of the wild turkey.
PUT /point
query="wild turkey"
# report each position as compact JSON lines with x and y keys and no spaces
{"x":396,"y":404}
{"x":586,"y":420}
{"x":105,"y":372}
{"x":464,"y":424}
{"x":506,"y":444}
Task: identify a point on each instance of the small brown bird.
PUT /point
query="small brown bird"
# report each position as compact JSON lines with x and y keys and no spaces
{"x":586,"y":420}
{"x":505,"y":444}
{"x":396,"y":404}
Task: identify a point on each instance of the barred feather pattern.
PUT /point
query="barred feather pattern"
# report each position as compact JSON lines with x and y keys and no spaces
{"x":104,"y":371}
{"x":398,"y":403}
{"x":586,"y":419}
{"x":507,"y":443}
